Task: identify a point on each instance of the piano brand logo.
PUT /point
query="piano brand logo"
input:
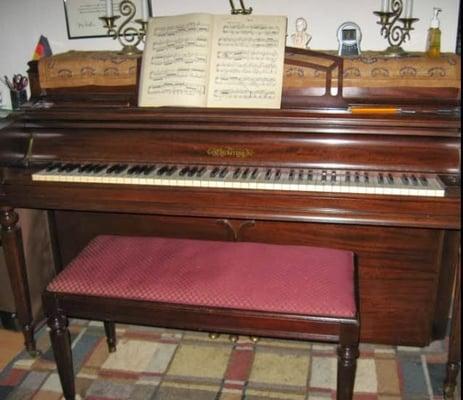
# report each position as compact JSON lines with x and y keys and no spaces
{"x":229,"y":152}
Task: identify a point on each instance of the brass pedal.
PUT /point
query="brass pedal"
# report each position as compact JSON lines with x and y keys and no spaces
{"x":214,"y":335}
{"x":233,"y":338}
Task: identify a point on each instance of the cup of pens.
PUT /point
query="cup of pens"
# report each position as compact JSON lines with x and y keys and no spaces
{"x":17,"y":87}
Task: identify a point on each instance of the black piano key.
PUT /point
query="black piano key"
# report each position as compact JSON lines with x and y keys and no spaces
{"x":357,"y":177}
{"x":301,"y":174}
{"x":71,"y":167}
{"x":423,"y":180}
{"x":85,"y":168}
{"x":291,"y":175}
{"x":414,"y":180}
{"x":96,"y":168}
{"x":323,"y":176}
{"x":277,"y":174}
{"x":92,"y":168}
{"x":120,"y":169}
{"x":134,"y":170}
{"x":192,"y":171}
{"x":162,"y":170}
{"x":333,"y":176}
{"x":245,"y":173}
{"x":236,"y":173}
{"x":255,"y":173}
{"x":223,"y":172}
{"x":201,"y":172}
{"x":404,"y":179}
{"x":366,"y":178}
{"x":116,"y":169}
{"x":63,"y":167}
{"x":111,"y":169}
{"x":149,"y":169}
{"x":390,"y":179}
{"x":53,"y":166}
{"x":310,"y":175}
{"x":268,"y":174}
{"x":184,"y":170}
{"x":381,"y":179}
{"x":214,"y":172}
{"x":348,"y":177}
{"x":171,"y":170}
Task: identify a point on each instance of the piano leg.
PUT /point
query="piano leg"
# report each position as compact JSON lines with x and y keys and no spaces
{"x":453,"y":363}
{"x":14,"y":257}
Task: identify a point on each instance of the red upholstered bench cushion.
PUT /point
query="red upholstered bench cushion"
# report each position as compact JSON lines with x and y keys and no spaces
{"x":249,"y":276}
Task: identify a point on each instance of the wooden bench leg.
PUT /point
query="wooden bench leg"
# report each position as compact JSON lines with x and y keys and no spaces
{"x":348,"y":352}
{"x":347,"y":364}
{"x":61,"y":344}
{"x":110,"y":331}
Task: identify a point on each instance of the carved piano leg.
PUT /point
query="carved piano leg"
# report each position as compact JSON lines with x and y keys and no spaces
{"x":14,"y":257}
{"x":453,"y":363}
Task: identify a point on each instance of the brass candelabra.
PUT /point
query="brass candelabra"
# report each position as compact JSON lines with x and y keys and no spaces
{"x":394,"y":28}
{"x":127,"y":34}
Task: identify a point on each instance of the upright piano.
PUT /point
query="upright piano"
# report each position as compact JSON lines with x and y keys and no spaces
{"x":385,"y":185}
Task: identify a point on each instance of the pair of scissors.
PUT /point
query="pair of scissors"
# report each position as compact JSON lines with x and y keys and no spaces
{"x":19,"y":82}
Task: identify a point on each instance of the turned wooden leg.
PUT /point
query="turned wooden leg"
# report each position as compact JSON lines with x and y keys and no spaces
{"x":454,"y":358}
{"x":110,"y":330}
{"x":61,"y":344}
{"x":15,"y":262}
{"x":347,"y":364}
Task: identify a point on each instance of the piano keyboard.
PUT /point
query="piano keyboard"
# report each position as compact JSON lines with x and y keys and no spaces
{"x":252,"y":178}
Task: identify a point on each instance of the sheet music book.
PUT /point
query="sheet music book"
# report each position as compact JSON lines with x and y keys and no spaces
{"x":206,"y":60}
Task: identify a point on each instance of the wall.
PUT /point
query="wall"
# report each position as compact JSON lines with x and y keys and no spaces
{"x":23,"y":21}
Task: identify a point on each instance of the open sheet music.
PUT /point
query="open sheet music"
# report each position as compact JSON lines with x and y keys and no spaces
{"x":213,"y":61}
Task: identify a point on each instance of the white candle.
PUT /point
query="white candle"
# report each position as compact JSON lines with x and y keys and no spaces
{"x":408,"y":9}
{"x":384,"y":5}
{"x":144,"y":10}
{"x":109,"y":8}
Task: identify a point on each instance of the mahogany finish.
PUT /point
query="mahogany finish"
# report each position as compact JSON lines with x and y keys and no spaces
{"x":407,"y":246}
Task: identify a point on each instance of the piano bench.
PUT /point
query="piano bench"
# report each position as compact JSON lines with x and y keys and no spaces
{"x":292,"y":292}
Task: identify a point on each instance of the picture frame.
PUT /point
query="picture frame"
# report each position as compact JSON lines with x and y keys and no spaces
{"x":82,"y":16}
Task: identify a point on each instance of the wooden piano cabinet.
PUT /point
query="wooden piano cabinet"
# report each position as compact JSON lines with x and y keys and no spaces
{"x":404,"y":275}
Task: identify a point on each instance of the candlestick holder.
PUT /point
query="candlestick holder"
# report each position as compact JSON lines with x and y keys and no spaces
{"x":243,"y":10}
{"x":128,"y":35}
{"x":391,"y":29}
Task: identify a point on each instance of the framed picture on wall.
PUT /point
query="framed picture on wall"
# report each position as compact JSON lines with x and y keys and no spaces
{"x":82,"y":16}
